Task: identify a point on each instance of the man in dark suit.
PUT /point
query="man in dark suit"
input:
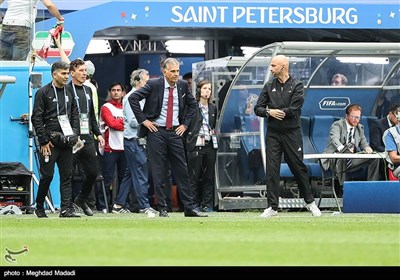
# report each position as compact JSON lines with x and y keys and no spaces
{"x":167,"y":114}
{"x":378,"y":127}
{"x":347,"y":136}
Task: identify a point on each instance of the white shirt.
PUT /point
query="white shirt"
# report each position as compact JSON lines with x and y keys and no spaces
{"x":21,"y":12}
{"x":162,"y":119}
{"x":205,"y":127}
{"x":349,"y":127}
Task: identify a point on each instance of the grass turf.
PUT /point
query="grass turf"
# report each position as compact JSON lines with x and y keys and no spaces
{"x":222,"y":239}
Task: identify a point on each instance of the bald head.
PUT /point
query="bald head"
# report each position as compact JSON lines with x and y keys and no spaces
{"x":280,"y":67}
{"x":281,"y":60}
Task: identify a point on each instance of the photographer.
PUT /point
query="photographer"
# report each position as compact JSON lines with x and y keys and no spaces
{"x":55,"y":119}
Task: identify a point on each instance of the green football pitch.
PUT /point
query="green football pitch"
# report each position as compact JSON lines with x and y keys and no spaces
{"x":222,"y":239}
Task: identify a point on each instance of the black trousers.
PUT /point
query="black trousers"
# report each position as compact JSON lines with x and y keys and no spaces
{"x":201,"y":165}
{"x":166,"y":149}
{"x":87,"y":160}
{"x":290,"y":144}
{"x":113,"y":163}
{"x":63,"y":158}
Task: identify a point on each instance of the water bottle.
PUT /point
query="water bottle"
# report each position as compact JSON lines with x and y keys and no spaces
{"x":78,"y":146}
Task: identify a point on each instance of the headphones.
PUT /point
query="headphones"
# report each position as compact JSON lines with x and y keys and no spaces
{"x":199,"y":86}
{"x":139,"y":72}
{"x":135,"y":76}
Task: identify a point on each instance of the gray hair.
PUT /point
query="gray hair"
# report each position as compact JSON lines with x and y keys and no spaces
{"x":137,"y":76}
{"x":169,"y":60}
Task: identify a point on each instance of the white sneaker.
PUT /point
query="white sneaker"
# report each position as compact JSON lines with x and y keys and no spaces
{"x":151,"y":213}
{"x":314,"y":209}
{"x":268,"y":213}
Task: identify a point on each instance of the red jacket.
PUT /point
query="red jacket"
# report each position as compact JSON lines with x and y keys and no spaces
{"x":116,"y":123}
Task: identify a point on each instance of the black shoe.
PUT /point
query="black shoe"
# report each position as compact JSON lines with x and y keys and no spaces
{"x":40,"y":213}
{"x":82,"y":204}
{"x":194,"y":213}
{"x":69,"y":213}
{"x":164,"y":213}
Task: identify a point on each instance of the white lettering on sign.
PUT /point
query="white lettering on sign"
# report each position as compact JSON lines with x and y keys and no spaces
{"x":323,"y":16}
{"x":334,"y":103}
{"x":265,"y":15}
{"x":200,"y":14}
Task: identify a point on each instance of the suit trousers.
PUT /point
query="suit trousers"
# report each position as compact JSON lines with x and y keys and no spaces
{"x":356,"y":164}
{"x":166,"y":148}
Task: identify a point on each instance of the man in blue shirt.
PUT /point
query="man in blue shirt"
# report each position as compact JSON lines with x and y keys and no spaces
{"x":391,"y":138}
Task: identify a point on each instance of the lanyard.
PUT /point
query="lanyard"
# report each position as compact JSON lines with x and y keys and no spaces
{"x":77,"y":99}
{"x":65,"y":99}
{"x":206,"y":122}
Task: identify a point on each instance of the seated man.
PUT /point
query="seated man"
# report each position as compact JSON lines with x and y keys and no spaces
{"x":391,"y":138}
{"x":377,"y":128}
{"x":339,"y":80}
{"x":347,"y":136}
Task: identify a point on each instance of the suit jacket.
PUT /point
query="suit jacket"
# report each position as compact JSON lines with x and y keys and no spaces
{"x":338,"y":137}
{"x":196,"y":123}
{"x":376,"y":131}
{"x":153,"y":92}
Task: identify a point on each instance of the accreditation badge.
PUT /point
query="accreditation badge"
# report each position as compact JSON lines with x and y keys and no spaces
{"x":214,"y":141}
{"x":84,"y":123}
{"x":65,"y":125}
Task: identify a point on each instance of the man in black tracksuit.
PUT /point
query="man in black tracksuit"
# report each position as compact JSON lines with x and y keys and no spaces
{"x":87,"y":156}
{"x":55,"y":110}
{"x":280,"y":101}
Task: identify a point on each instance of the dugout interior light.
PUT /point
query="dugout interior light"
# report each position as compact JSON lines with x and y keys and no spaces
{"x":98,"y":46}
{"x":185,"y":46}
{"x":364,"y":60}
{"x":248,"y":51}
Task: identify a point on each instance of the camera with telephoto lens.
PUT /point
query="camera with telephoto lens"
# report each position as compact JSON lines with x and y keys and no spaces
{"x":60,"y":140}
